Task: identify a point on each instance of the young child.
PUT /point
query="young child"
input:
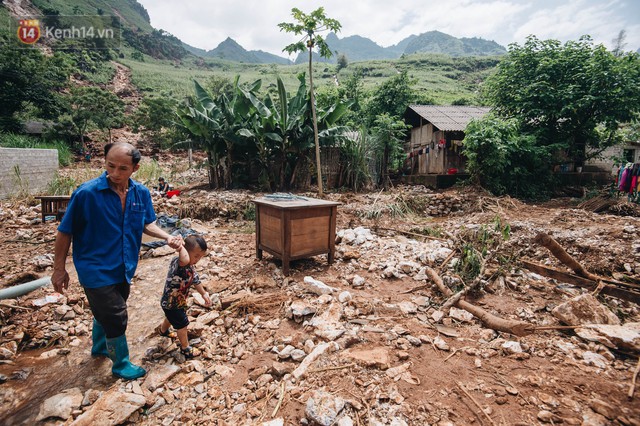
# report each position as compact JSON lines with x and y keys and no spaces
{"x":180,"y":278}
{"x":162,"y":188}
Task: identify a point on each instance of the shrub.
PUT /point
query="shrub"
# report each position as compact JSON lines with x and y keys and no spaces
{"x":504,"y":160}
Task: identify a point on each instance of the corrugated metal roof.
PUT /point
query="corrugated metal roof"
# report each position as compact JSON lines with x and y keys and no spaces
{"x":449,"y":118}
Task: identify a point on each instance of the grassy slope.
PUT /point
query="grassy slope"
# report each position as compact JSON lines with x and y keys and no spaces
{"x":438,"y":77}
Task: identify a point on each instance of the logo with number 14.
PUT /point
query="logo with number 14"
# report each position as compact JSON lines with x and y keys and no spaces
{"x":29,"y":31}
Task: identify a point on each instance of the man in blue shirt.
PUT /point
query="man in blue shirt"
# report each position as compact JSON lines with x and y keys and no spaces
{"x":105,"y":219}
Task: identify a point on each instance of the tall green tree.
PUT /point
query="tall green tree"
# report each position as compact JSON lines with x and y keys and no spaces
{"x":392,"y":98}
{"x":30,"y":79}
{"x":220,"y":124}
{"x":93,"y":106}
{"x":573,"y":95}
{"x":310,"y":26}
{"x":156,"y":118}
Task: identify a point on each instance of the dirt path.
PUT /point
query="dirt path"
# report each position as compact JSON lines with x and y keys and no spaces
{"x":547,"y":379}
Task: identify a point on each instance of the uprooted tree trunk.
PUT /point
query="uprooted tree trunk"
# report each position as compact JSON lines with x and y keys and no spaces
{"x":519,"y":328}
{"x":564,"y":257}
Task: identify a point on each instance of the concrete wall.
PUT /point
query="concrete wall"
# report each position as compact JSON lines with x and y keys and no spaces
{"x":25,"y":170}
{"x":605,"y":163}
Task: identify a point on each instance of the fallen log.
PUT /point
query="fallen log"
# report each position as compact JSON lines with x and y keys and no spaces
{"x":413,"y":234}
{"x":564,"y":257}
{"x":565,"y":277}
{"x":519,"y":328}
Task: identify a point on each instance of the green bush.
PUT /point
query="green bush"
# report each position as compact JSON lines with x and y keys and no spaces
{"x":504,"y":160}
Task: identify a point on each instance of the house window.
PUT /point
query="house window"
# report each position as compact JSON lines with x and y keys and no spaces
{"x":629,"y":155}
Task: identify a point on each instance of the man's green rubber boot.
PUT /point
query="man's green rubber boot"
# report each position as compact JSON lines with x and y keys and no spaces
{"x":119,"y":354}
{"x":99,"y":347}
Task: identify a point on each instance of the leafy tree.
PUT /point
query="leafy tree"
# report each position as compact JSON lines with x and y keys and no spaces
{"x":27,"y":77}
{"x":342,"y":62}
{"x":217,"y":85}
{"x":350,"y":91}
{"x":137,"y":55}
{"x":155,"y":116}
{"x":562,"y":94}
{"x":92,"y":105}
{"x":220,"y":123}
{"x":505,"y":160}
{"x":391,"y":98}
{"x":282,"y":125}
{"x":310,"y":25}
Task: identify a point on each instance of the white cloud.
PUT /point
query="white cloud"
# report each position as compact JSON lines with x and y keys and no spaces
{"x":254,"y":24}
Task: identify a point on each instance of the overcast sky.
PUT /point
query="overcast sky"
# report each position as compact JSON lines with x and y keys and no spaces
{"x":254,"y":23}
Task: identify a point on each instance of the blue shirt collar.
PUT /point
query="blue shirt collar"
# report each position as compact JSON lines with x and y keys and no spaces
{"x":103,"y":182}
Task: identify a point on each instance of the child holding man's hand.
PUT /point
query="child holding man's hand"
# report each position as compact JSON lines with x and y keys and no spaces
{"x":181,"y":276}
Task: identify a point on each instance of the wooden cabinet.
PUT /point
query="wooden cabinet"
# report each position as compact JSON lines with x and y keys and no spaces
{"x":296,"y":228}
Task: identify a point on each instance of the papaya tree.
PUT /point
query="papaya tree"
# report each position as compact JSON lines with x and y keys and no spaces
{"x":310,"y":25}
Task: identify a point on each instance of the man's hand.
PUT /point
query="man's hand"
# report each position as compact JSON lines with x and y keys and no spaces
{"x":175,"y":241}
{"x":60,"y":280}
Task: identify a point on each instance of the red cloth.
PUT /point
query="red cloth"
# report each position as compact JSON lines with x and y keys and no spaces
{"x":172,"y":193}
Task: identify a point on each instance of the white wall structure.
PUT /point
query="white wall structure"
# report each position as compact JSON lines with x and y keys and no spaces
{"x":26,"y":171}
{"x":605,"y":161}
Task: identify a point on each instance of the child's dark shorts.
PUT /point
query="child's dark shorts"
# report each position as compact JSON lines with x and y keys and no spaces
{"x":177,"y":318}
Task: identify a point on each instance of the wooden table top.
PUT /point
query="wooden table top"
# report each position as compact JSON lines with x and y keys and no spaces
{"x":53,"y":197}
{"x":295,"y":202}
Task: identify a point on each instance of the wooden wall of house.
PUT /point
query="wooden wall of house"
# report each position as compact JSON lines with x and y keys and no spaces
{"x":437,"y":160}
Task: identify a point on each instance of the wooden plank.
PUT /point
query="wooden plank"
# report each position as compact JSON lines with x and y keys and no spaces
{"x":310,"y":226}
{"x":332,"y":234}
{"x":313,"y":212}
{"x":286,"y":240}
{"x":295,"y":203}
{"x":258,"y":235}
{"x":309,"y":235}
{"x":270,"y":232}
{"x":566,"y":277}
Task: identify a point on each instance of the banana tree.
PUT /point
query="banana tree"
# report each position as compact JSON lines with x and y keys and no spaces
{"x":285,"y":124}
{"x":221,"y":123}
{"x":201,"y":121}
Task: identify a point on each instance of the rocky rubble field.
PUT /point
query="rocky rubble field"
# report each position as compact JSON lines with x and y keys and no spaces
{"x":368,"y":340}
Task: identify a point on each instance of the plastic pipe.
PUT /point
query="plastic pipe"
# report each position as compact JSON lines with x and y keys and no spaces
{"x":24,"y":288}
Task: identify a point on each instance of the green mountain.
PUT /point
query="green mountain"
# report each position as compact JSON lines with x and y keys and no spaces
{"x":438,"y":42}
{"x":270,"y":58}
{"x":398,"y":49}
{"x":230,"y":50}
{"x":138,"y":33}
{"x":129,"y":15}
{"x":357,"y":48}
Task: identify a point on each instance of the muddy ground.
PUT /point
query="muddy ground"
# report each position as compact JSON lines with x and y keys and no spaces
{"x":377,"y":349}
{"x":387,"y":353}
